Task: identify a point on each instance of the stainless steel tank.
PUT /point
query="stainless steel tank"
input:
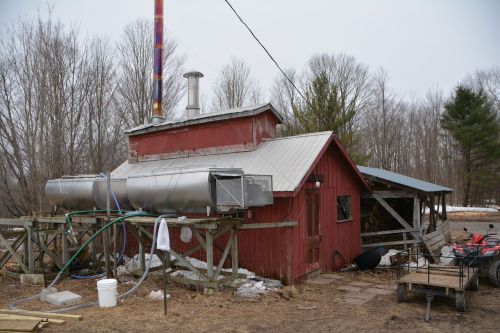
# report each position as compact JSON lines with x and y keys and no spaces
{"x":187,"y":190}
{"x":86,"y":192}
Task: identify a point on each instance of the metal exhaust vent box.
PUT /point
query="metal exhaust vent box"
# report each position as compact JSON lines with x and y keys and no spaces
{"x":85,"y":192}
{"x":193,"y":189}
{"x":258,"y":190}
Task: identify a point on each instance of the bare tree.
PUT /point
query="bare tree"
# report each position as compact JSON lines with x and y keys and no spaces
{"x":384,"y":124}
{"x":135,"y":71}
{"x":234,"y":87}
{"x":41,"y":110}
{"x":285,"y":99}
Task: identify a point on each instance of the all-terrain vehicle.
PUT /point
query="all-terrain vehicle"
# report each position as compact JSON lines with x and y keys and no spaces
{"x":482,"y":251}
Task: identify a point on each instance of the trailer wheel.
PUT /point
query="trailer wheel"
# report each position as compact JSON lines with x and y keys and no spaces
{"x":460,"y":301}
{"x":494,"y":273}
{"x":474,"y":283}
{"x":401,"y":292}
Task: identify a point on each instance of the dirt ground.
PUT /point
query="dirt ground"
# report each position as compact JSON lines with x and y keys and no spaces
{"x":301,"y":308}
{"x":474,"y":216}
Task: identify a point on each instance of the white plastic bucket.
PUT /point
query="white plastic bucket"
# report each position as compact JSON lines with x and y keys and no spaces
{"x":106,"y":289}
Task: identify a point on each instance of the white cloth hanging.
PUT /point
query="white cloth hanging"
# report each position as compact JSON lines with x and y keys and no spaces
{"x":163,"y":238}
{"x":186,"y":234}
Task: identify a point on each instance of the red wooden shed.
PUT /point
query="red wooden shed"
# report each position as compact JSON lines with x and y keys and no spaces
{"x":315,"y":183}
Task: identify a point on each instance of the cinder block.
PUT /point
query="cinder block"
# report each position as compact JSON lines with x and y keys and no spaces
{"x":47,"y":291}
{"x":64,"y":298}
{"x":32,"y":279}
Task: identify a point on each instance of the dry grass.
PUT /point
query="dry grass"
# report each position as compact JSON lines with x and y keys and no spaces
{"x":302,"y":308}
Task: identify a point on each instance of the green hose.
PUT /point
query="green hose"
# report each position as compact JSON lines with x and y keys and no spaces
{"x":13,"y":304}
{"x":69,"y":220}
{"x":106,"y":226}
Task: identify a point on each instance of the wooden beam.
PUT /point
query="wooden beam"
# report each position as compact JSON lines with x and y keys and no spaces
{"x":394,"y":214}
{"x":210,"y":254}
{"x":15,"y":222}
{"x":52,"y":255}
{"x":41,"y":314}
{"x":234,"y":252}
{"x":13,"y":254}
{"x":188,"y":265}
{"x":416,"y":213}
{"x":391,"y":194}
{"x":387,"y":232}
{"x":223,"y":258}
{"x":198,"y":247}
{"x":391,"y":243}
{"x":19,"y":240}
{"x":267,"y":225}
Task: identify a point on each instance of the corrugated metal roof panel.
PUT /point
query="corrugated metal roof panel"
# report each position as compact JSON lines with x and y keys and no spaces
{"x":403,"y":180}
{"x":286,"y":159}
{"x":207,"y":117}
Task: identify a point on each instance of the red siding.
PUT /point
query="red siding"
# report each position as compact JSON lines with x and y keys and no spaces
{"x":236,"y":133}
{"x":281,"y":252}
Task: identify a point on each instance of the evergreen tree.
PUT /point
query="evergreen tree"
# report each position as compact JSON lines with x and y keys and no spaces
{"x":325,"y":111}
{"x":473,"y":123}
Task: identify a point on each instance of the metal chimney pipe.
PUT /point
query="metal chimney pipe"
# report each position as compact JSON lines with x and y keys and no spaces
{"x":158,"y":64}
{"x":193,"y":107}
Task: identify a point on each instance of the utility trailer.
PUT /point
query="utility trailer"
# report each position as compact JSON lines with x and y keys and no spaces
{"x":437,"y":280}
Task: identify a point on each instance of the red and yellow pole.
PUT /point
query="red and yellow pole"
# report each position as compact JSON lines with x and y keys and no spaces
{"x":158,"y":64}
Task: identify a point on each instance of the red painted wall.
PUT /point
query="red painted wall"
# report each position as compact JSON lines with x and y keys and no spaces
{"x":237,"y":133}
{"x":281,"y":252}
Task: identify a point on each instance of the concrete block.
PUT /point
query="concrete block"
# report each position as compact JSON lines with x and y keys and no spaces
{"x":47,"y":291}
{"x":349,"y":288}
{"x":65,"y":298}
{"x":32,"y":279}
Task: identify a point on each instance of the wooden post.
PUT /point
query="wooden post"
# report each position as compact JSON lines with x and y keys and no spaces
{"x":210,"y":254}
{"x":31,"y":257}
{"x":234,"y":251}
{"x":64,"y":243}
{"x":443,"y":200}
{"x":142,"y":257}
{"x":416,"y":213}
{"x":432,"y":216}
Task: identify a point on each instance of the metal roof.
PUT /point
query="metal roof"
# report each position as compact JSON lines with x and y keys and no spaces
{"x":406,"y":181}
{"x":287,"y":159}
{"x":207,"y":117}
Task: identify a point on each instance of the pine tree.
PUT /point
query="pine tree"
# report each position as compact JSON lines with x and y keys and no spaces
{"x":473,"y":123}
{"x":325,"y":111}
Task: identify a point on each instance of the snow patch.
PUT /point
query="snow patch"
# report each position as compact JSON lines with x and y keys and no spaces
{"x":385,"y":261}
{"x":454,"y":209}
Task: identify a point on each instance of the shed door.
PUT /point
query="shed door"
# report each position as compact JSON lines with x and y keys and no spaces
{"x":313,"y":234}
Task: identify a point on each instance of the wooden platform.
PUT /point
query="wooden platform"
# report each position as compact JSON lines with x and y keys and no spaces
{"x":444,"y":276}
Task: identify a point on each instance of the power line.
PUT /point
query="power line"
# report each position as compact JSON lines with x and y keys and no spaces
{"x":269,"y":54}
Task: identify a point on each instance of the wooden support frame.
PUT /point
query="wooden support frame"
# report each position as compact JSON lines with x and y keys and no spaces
{"x":398,"y":217}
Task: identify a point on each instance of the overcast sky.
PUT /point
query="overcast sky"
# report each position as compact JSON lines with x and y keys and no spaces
{"x":421,"y":43}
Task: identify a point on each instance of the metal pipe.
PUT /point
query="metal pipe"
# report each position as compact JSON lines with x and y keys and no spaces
{"x":193,"y":107}
{"x":158,"y":63}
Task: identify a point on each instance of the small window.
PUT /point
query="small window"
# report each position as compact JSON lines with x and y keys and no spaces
{"x":344,"y":208}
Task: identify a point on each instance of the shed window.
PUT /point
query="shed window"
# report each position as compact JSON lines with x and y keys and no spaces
{"x":344,"y":208}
